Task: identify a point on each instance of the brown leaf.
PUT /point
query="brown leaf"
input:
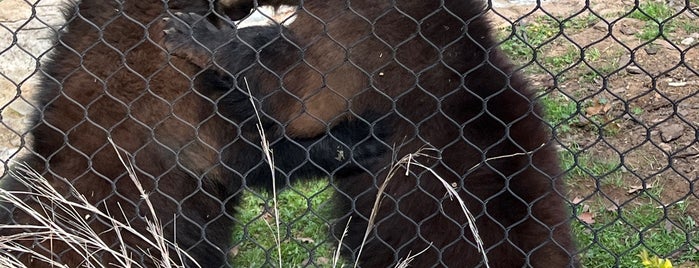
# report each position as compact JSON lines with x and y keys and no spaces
{"x":234,"y":251}
{"x":593,"y":110}
{"x":637,"y":188}
{"x":598,"y":108}
{"x":267,"y":216}
{"x":606,"y":107}
{"x":587,"y":217}
{"x":577,"y":200}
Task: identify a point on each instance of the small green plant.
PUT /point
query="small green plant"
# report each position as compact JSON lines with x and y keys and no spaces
{"x":652,"y":11}
{"x":689,"y":26}
{"x":558,"y":63}
{"x":656,"y":15}
{"x":521,"y":41}
{"x":592,"y":54}
{"x":581,"y":22}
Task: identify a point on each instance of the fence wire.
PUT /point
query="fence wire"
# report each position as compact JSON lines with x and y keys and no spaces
{"x":147,"y":113}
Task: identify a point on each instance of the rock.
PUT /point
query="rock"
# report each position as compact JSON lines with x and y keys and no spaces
{"x":672,"y":132}
{"x":687,"y":41}
{"x":634,"y":70}
{"x":21,"y":107}
{"x":601,"y":26}
{"x":628,"y":30}
{"x":623,"y":60}
{"x":651,"y":50}
{"x":665,"y":147}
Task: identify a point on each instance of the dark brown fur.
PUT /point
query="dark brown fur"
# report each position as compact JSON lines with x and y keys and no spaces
{"x":191,"y":138}
{"x":435,"y":74}
{"x":131,"y":116}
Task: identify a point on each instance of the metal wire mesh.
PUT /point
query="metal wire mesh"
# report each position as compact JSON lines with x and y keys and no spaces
{"x":115,"y":95}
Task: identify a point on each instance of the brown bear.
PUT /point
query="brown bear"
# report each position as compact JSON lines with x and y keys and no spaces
{"x":431,"y":73}
{"x":192,"y":139}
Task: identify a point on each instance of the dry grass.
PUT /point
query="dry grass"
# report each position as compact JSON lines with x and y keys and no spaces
{"x":406,"y":162}
{"x":270,"y":162}
{"x":60,"y":219}
{"x":64,"y":220}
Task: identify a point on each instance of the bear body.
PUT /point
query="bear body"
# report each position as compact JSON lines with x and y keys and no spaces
{"x":191,"y":139}
{"x":430,"y":71}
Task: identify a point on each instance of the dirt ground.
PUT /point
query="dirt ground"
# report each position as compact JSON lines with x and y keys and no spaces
{"x":644,"y":114}
{"x":640,"y":117}
{"x":651,"y":110}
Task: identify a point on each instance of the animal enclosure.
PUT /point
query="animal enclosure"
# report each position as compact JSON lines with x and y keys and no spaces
{"x":612,"y":88}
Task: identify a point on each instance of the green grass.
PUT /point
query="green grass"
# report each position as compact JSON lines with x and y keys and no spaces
{"x":689,"y":26}
{"x":522,"y":42}
{"x":541,"y":40}
{"x":580,"y":23}
{"x":655,"y":15}
{"x":305,"y":215}
{"x":561,"y":112}
{"x":620,"y":233}
{"x":652,"y":11}
{"x":580,"y":164}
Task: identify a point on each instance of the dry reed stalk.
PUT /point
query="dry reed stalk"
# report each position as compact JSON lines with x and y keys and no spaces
{"x":270,"y":162}
{"x":64,"y":220}
{"x":405,"y":162}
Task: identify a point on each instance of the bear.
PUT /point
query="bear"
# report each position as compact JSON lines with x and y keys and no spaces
{"x":191,"y":139}
{"x":433,"y":73}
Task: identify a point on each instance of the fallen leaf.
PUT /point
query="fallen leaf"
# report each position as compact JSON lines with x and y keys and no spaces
{"x":587,"y":217}
{"x":607,"y":107}
{"x":637,"y":188}
{"x":234,"y":251}
{"x":593,"y":110}
{"x":267,"y":216}
{"x":599,"y":107}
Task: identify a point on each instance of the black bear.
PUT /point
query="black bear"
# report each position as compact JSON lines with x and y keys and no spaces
{"x":430,"y":71}
{"x":191,"y":138}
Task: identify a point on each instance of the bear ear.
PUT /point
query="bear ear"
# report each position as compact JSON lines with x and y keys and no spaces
{"x":236,"y":9}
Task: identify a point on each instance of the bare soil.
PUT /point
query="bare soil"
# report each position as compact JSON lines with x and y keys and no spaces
{"x":642,"y":114}
{"x":652,"y":101}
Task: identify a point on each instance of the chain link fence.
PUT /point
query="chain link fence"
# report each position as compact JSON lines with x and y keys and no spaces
{"x":618,"y":83}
